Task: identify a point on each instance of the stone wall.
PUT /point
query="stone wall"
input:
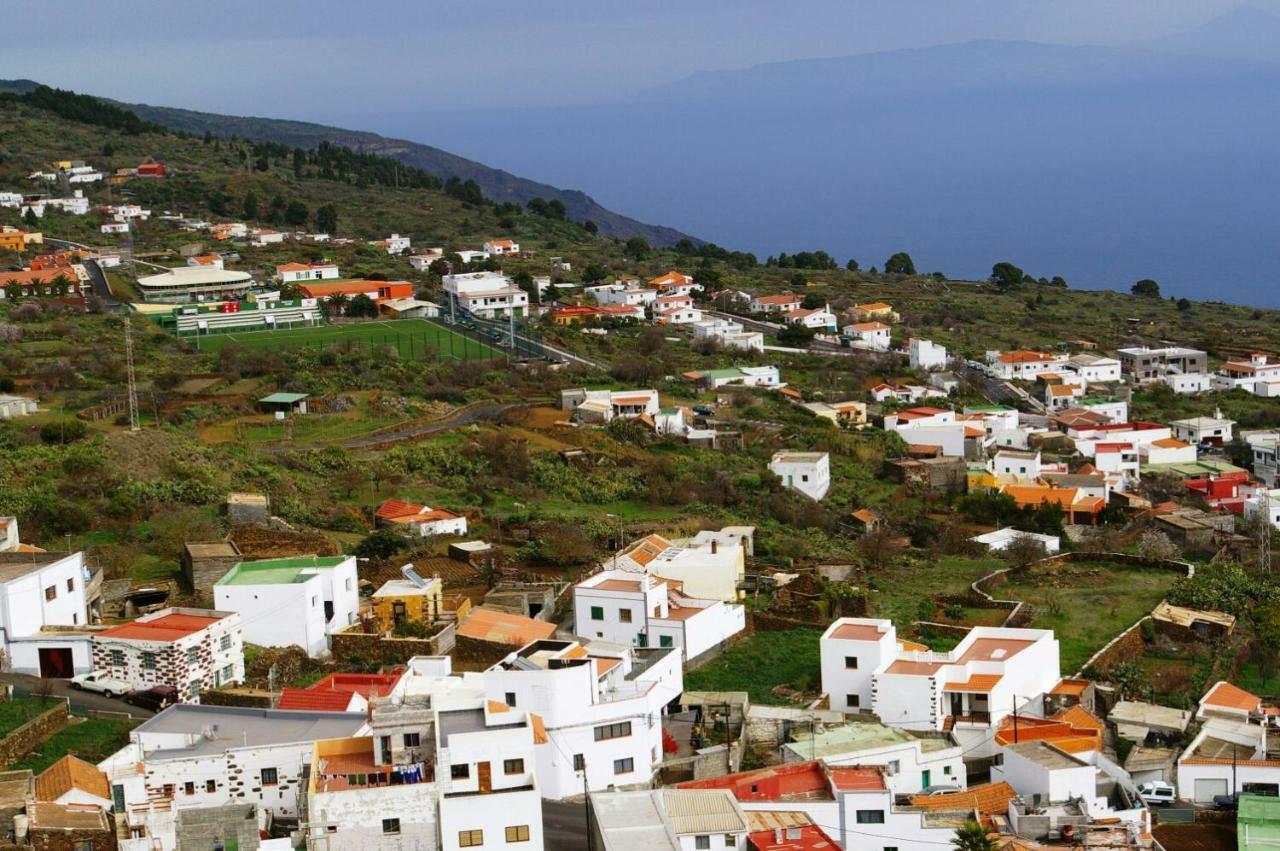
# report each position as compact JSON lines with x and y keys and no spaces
{"x":55,"y":838}
{"x":23,"y":740}
{"x":766,"y":622}
{"x":1124,"y":647}
{"x":472,"y":654}
{"x":236,"y":697}
{"x":353,"y":645}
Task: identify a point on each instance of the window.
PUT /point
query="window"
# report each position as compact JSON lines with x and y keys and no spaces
{"x":851,"y":662}
{"x":71,"y":584}
{"x":348,"y":583}
{"x":211,"y":785}
{"x":852,"y":701}
{"x":518,"y":833}
{"x":804,"y":478}
{"x":315,"y":601}
{"x":513,"y":766}
{"x":412,"y":740}
{"x":870,"y":817}
{"x":894,"y":766}
{"x":946,"y":770}
{"x":461,"y":771}
{"x":192,"y":656}
{"x":613,"y":731}
{"x":51,"y":593}
{"x":730,"y":841}
{"x":225,"y":644}
{"x":391,"y":826}
{"x":579,"y":762}
{"x":665,"y":641}
{"x":597,"y":613}
{"x":117,"y":798}
{"x":624,"y":615}
{"x":227,"y":674}
{"x":470,"y":838}
{"x":510,"y":698}
{"x":268,"y":777}
{"x":117,"y":658}
{"x":701,"y":842}
{"x":149,"y":661}
{"x":189,"y":787}
{"x":624,"y":766}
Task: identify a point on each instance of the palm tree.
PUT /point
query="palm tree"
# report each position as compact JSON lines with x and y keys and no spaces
{"x":972,"y":836}
{"x":338,"y":301}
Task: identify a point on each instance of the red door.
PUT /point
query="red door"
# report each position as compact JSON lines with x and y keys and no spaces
{"x":55,"y":662}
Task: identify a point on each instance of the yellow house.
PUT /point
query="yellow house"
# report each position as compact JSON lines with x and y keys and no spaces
{"x":17,"y":239}
{"x":981,"y":479}
{"x":876,"y":310}
{"x":400,"y":600}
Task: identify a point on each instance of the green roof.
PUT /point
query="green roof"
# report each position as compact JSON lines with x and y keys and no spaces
{"x":855,"y":738}
{"x":1258,"y":822}
{"x":1098,"y":400}
{"x":277,"y":571}
{"x":726,"y":372}
{"x":986,"y":409}
{"x":1202,"y":467}
{"x":283,"y":398}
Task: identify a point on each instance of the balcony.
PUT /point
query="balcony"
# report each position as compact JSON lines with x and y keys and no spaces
{"x":973,"y":716}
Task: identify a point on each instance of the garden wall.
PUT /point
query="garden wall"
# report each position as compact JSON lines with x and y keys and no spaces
{"x":23,"y":740}
{"x":353,"y":645}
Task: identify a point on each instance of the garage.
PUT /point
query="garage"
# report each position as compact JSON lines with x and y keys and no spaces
{"x":1205,"y":790}
{"x":56,"y":663}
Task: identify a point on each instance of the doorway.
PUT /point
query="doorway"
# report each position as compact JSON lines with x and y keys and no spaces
{"x":55,"y":662}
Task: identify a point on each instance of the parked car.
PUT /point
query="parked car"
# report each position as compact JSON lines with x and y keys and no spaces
{"x":1157,"y":793}
{"x":940,"y":790}
{"x":1226,"y":802}
{"x":155,"y":698}
{"x":101,"y":682}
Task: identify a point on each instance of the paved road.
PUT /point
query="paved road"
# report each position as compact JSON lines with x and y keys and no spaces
{"x":81,"y":701}
{"x":479,"y":413}
{"x":564,"y":825}
{"x":100,"y":286}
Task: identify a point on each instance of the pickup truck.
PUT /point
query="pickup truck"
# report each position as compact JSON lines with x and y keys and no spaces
{"x":102,"y":682}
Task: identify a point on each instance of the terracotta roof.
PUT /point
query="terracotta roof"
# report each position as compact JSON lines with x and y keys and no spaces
{"x":975,"y":683}
{"x":857,"y":778}
{"x":1228,"y":696}
{"x":1170,"y":443}
{"x":504,"y":628}
{"x":777,"y":299}
{"x":166,"y":628}
{"x":604,"y":665}
{"x":647,"y":549}
{"x":394,"y":508}
{"x":858,"y":632}
{"x":866,"y":515}
{"x":870,"y":326}
{"x":314,"y":701}
{"x":71,"y":773}
{"x":1070,"y":687}
{"x":988,"y":799}
{"x":912,"y":646}
{"x":875,"y":305}
{"x":1024,"y":356}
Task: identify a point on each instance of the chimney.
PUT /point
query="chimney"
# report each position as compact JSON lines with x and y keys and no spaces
{"x":777,"y":836}
{"x":713,"y":546}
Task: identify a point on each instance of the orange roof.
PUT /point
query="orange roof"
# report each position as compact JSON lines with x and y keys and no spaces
{"x":857,"y":778}
{"x":858,"y":632}
{"x":394,"y":508}
{"x":616,"y":585}
{"x":1024,"y":356}
{"x":866,"y":515}
{"x":875,"y":305}
{"x":1065,"y":389}
{"x":1035,"y":495}
{"x":1170,"y":443}
{"x":975,"y":683}
{"x":604,"y":666}
{"x":988,"y":799}
{"x":1228,"y":696}
{"x":647,"y":549}
{"x":71,"y":773}
{"x":166,"y":628}
{"x":870,"y":326}
{"x":1080,"y":717}
{"x":501,"y":243}
{"x":913,"y":646}
{"x":671,"y":277}
{"x":1074,"y":730}
{"x":1070,"y":687}
{"x":778,"y":299}
{"x":504,"y":628}
{"x":328,"y":700}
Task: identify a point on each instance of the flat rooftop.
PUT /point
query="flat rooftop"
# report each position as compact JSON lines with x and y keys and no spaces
{"x":278,"y":571}
{"x":238,"y":727}
{"x":1044,"y":755}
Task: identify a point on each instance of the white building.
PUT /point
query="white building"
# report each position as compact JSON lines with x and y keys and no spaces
{"x":1143,"y":364}
{"x":605,"y":405}
{"x":818,"y":318}
{"x":969,"y":689}
{"x":421,"y":262}
{"x":1230,"y":753}
{"x":737,"y":376}
{"x":668,"y":819}
{"x":292,"y":601}
{"x":489,"y":295}
{"x":1204,"y":431}
{"x":1001,"y":539}
{"x":394,"y":244}
{"x":1116,"y":410}
{"x":16,"y":406}
{"x":622,"y":294}
{"x":1168,"y":451}
{"x":926,"y":354}
{"x":728,"y":334}
{"x":1023,"y":364}
{"x":601,"y":705}
{"x":642,"y":610}
{"x":115,"y":227}
{"x":40,"y":591}
{"x":1258,"y":375}
{"x":1187,"y":384}
{"x":188,"y":649}
{"x":420,"y":520}
{"x":937,"y":427}
{"x":1064,"y":784}
{"x":807,"y":472}
{"x":874,"y":336}
{"x":677,"y":315}
{"x":1264,"y":447}
{"x":1012,"y":465}
{"x":914,"y":762}
{"x":784,"y":303}
{"x":1253,"y":505}
{"x":501,"y":248}
{"x":292,"y":273}
{"x":1094,"y":368}
{"x":201,"y":756}
{"x":1122,"y":459}
{"x":709,"y":566}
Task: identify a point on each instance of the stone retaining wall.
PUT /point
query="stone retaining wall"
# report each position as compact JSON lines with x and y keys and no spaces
{"x":23,"y":740}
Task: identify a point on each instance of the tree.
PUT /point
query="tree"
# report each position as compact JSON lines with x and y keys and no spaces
{"x":637,"y":248}
{"x":362,"y":306}
{"x":590,"y":227}
{"x":296,"y":214}
{"x":1184,"y":305}
{"x":594,"y":274}
{"x":327,"y":219}
{"x":812,"y":301}
{"x":250,"y":205}
{"x":900,"y":264}
{"x":338,"y":302}
{"x":1058,"y":281}
{"x":382,"y":544}
{"x":972,"y":836}
{"x":1146,"y":288}
{"x":1005,"y":275}
{"x":555,"y":209}
{"x":852,"y":265}
{"x":30,"y":218}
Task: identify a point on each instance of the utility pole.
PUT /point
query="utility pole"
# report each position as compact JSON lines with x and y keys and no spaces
{"x":1264,"y":530}
{"x":586,"y":804}
{"x":1015,"y":719}
{"x":134,"y":425}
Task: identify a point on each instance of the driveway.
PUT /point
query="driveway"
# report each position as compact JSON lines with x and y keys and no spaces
{"x":564,"y":825}
{"x":81,"y":701}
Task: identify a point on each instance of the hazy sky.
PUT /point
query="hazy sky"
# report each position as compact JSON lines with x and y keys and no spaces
{"x":345,"y":63}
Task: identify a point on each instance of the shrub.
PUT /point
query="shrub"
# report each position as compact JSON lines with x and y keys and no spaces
{"x":62,"y":431}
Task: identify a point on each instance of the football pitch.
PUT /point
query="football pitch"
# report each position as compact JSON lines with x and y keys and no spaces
{"x":413,"y":338}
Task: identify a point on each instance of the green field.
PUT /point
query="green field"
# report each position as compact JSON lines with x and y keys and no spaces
{"x":92,"y":740}
{"x":761,"y":661}
{"x":413,"y":338}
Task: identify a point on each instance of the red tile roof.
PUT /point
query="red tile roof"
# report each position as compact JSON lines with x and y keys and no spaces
{"x":857,"y":778}
{"x":988,"y":799}
{"x":314,"y":701}
{"x":166,"y":628}
{"x":807,"y":837}
{"x":1228,"y":696}
{"x":71,"y":773}
{"x":503,"y":628}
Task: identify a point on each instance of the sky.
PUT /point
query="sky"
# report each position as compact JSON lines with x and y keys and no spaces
{"x":335,"y":62}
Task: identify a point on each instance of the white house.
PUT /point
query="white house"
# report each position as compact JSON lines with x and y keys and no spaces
{"x":1255,"y":375}
{"x":206,"y":756}
{"x":471,"y":256}
{"x":728,"y":334}
{"x":676,"y":315}
{"x":602,"y":707}
{"x":292,"y":273}
{"x":1118,"y":458}
{"x":775,"y":303}
{"x":420,"y":520}
{"x":1204,"y":431}
{"x":1001,"y":539}
{"x":1059,"y":397}
{"x":1187,"y":384}
{"x":501,"y":248}
{"x":287,"y":602}
{"x":188,"y":649}
{"x":668,"y":819}
{"x":926,"y":354}
{"x":1023,"y":364}
{"x":807,"y":472}
{"x":818,"y":318}
{"x":643,"y":610}
{"x":673,"y":282}
{"x":40,"y":590}
{"x":1115,"y":410}
{"x":868,"y":335}
{"x":1230,"y":753}
{"x":266,"y":236}
{"x":1094,"y":368}
{"x":1254,"y":507}
{"x":926,"y":426}
{"x":710,"y":565}
{"x":394,"y":244}
{"x":1168,"y":451}
{"x":1264,"y":447}
{"x":623,"y":295}
{"x":1065,"y":783}
{"x":1013,"y":465}
{"x":115,"y":227}
{"x":736,"y":376}
{"x":913,"y":763}
{"x":421,"y":262}
{"x":605,"y":405}
{"x":968,"y":690}
{"x":488,"y":295}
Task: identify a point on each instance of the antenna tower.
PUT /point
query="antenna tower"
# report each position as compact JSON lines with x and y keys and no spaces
{"x":133,"y":385}
{"x":1264,"y":530}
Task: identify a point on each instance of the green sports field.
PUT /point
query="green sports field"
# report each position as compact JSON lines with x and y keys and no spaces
{"x":413,"y":338}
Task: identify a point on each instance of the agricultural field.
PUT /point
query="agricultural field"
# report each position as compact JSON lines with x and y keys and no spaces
{"x":412,"y":338}
{"x":93,"y":740}
{"x":759,"y":663}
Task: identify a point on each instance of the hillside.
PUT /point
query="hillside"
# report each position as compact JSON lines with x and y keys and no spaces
{"x":497,"y":185}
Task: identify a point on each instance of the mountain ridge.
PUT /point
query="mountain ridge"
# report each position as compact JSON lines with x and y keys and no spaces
{"x":497,"y":184}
